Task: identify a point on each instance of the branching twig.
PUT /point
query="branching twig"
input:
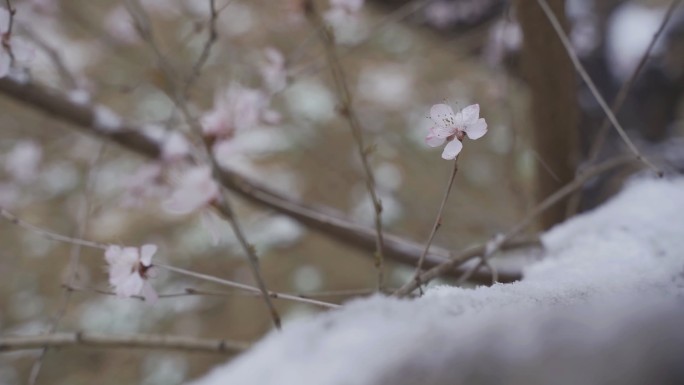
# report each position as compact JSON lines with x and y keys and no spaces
{"x":271,"y":294}
{"x":436,"y":225}
{"x":223,"y":205}
{"x":81,"y":242}
{"x":592,"y":87}
{"x":347,"y":111}
{"x":501,"y":242}
{"x":110,"y":341}
{"x":617,"y":104}
{"x":318,"y":218}
{"x":206,"y":50}
{"x":72,"y":271}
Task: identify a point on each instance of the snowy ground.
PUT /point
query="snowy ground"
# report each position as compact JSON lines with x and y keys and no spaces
{"x":605,"y":305}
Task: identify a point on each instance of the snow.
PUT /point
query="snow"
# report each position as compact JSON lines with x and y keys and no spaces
{"x":603,"y":306}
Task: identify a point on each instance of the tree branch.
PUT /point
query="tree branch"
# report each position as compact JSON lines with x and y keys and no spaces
{"x":324,"y":220}
{"x":111,"y":341}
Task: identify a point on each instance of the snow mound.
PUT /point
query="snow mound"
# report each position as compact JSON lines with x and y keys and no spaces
{"x":605,"y":305}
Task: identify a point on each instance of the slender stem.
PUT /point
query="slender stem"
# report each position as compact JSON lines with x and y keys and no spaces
{"x":436,"y":225}
{"x":271,"y":294}
{"x":348,"y":112}
{"x":499,"y":242}
{"x":72,"y":270}
{"x":111,"y":341}
{"x":590,"y":83}
{"x":206,"y":50}
{"x":49,"y":234}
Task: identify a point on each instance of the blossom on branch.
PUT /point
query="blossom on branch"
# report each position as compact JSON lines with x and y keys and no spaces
{"x":129,"y":269}
{"x":235,"y":109}
{"x":452,"y":127}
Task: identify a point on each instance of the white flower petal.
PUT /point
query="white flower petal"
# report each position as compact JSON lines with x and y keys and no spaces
{"x":471,"y":113}
{"x":440,"y":111}
{"x":146,"y":253}
{"x":433,"y":140}
{"x":149,"y":293}
{"x":477,"y":129}
{"x":130,"y":286}
{"x":452,"y":149}
{"x":113,"y":253}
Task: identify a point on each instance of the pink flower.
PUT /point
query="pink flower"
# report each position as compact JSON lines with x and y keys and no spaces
{"x":175,"y":147}
{"x":451,"y":128}
{"x":236,"y":109}
{"x":129,"y":269}
{"x":196,"y":189}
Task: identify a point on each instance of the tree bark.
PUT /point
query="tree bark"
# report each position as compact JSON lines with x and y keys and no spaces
{"x":554,"y":110}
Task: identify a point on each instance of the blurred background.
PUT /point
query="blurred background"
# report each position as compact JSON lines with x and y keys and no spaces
{"x":400,"y":57}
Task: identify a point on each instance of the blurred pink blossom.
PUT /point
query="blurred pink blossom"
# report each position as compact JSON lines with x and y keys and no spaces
{"x":342,"y":11}
{"x":175,"y":147}
{"x":273,"y":70}
{"x":450,"y":127}
{"x":145,"y":183}
{"x":129,"y":269}
{"x":235,"y":109}
{"x":196,"y":189}
{"x":120,"y":25}
{"x":23,"y":160}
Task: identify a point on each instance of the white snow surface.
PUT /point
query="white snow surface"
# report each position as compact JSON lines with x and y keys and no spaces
{"x":603,"y":275}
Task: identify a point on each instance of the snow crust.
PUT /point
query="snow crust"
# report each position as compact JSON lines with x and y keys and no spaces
{"x":604,"y":305}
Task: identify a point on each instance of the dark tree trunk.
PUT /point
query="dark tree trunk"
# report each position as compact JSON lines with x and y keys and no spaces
{"x":554,"y":111}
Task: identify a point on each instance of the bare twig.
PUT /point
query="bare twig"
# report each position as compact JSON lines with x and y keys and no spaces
{"x":5,"y":37}
{"x":252,"y":292}
{"x":82,"y":222}
{"x":223,"y":205}
{"x":236,"y":285}
{"x":49,"y":234}
{"x":436,"y":225}
{"x":206,"y":50}
{"x":617,"y":104}
{"x":500,"y":242}
{"x":111,"y":341}
{"x":347,"y":111}
{"x":80,"y":242}
{"x":592,"y":87}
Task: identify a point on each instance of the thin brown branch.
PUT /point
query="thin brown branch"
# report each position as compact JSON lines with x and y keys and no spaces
{"x":319,"y":218}
{"x":223,"y":205}
{"x":502,"y":242}
{"x":592,"y":87}
{"x":112,"y":341}
{"x":206,"y":50}
{"x":347,"y":110}
{"x":617,"y":104}
{"x":241,"y":286}
{"x":436,"y":225}
{"x":74,"y":258}
{"x":49,"y":234}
